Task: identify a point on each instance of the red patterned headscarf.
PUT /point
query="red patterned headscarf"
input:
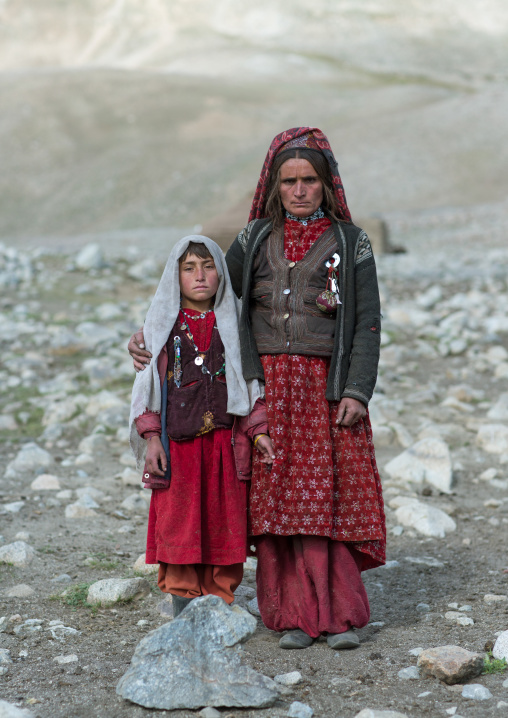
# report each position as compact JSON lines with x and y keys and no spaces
{"x":299,"y":137}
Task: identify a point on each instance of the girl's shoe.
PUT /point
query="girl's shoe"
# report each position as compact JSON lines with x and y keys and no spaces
{"x":296,"y":639}
{"x":348,"y":639}
{"x":179,"y":603}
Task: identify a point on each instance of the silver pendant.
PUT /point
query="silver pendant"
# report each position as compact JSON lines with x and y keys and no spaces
{"x":198,"y":361}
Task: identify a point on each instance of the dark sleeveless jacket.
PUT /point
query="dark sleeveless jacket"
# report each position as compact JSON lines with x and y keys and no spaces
{"x":199,"y":404}
{"x":283,"y":312}
{"x":355,"y":353}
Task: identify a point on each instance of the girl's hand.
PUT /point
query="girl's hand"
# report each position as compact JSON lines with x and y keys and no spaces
{"x":265,"y":447}
{"x":350,"y":411}
{"x":156,"y":457}
{"x":136,"y":348}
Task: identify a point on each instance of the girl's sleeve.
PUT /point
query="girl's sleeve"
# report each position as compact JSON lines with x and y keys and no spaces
{"x":148,"y":424}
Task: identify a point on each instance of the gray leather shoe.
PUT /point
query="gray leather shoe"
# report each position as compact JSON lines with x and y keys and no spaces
{"x":296,"y":639}
{"x":348,"y":639}
{"x":179,"y":603}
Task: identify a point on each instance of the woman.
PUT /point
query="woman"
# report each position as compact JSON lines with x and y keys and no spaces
{"x":316,"y":518}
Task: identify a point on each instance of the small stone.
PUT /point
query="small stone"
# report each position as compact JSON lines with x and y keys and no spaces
{"x":493,"y":438}
{"x":90,"y":257}
{"x":450,"y":664}
{"x":426,"y":519}
{"x":488,"y":474}
{"x":500,"y":649}
{"x":114,"y":590}
{"x":289,"y":679}
{"x":146,"y":568}
{"x":130,"y":477}
{"x":425,"y":561}
{"x":476,"y":692}
{"x":22,"y":536}
{"x":253,"y":607}
{"x":134,"y":502}
{"x":12,"y":508}
{"x":410,"y":673}
{"x":427,"y":460}
{"x":45,"y":482}
{"x":126,"y":529}
{"x":62,"y":578}
{"x":89,"y":492}
{"x":63,"y":660}
{"x":373,"y":713}
{"x":65,"y":495}
{"x":209,"y":712}
{"x":416,"y":651}
{"x":300,"y":710}
{"x":491,"y":598}
{"x":78,"y":511}
{"x":459,"y":618}
{"x":5,"y":656}
{"x":18,"y":554}
{"x":8,"y":710}
{"x":423,"y":608}
{"x":19,"y":591}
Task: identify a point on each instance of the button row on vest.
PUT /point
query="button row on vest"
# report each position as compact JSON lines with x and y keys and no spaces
{"x":286,"y":291}
{"x":286,"y":315}
{"x":292,"y":264}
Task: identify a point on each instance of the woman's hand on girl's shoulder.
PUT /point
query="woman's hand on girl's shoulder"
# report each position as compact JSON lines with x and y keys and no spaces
{"x":136,"y":348}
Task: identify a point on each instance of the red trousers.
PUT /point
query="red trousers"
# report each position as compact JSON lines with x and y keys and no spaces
{"x":310,"y":582}
{"x":199,"y":579}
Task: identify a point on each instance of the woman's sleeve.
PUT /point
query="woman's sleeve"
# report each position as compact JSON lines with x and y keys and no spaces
{"x":235,"y":257}
{"x":364,"y":360}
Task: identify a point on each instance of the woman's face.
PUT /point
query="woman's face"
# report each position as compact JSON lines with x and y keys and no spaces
{"x":301,"y":190}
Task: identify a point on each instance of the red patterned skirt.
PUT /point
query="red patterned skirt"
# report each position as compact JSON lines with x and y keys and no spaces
{"x":324,"y":480}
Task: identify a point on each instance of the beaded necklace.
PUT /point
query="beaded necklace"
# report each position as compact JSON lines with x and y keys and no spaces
{"x":318,"y":214}
{"x":200,"y":356}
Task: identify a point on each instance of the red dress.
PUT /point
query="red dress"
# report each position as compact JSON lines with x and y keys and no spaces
{"x":201,"y":517}
{"x":324,"y":483}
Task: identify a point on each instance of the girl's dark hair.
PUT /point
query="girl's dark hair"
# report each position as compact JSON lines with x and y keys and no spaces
{"x":274,"y":207}
{"x":198,"y":249}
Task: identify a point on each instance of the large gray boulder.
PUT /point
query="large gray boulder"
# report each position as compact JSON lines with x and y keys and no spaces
{"x":195,"y":661}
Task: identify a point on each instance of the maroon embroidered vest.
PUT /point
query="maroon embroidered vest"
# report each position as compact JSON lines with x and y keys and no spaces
{"x":199,"y":404}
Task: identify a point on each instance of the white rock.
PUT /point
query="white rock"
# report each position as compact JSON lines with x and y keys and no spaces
{"x":209,"y":712}
{"x":403,"y":436}
{"x":416,"y":651}
{"x":22,"y":536}
{"x":427,"y":460}
{"x":90,"y":257}
{"x":45,"y":482}
{"x":8,"y":423}
{"x":65,"y":495}
{"x":146,"y":568}
{"x":476,"y":692}
{"x":12,"y":508}
{"x":83,"y":460}
{"x":427,"y":520}
{"x":63,"y":660}
{"x":8,"y":710}
{"x":430,"y":297}
{"x":18,"y":553}
{"x":300,"y":710}
{"x":59,"y":412}
{"x":500,"y":649}
{"x":91,"y":492}
{"x":78,"y":511}
{"x":127,"y":459}
{"x":495,"y":598}
{"x":499,"y":412}
{"x":113,"y":590}
{"x":29,"y":460}
{"x":5,"y":656}
{"x":374,"y":713}
{"x":459,"y":618}
{"x":134,"y":502}
{"x":130,"y":477}
{"x":94,"y":444}
{"x":493,"y":438}
{"x":289,"y":679}
{"x":145,"y":269}
{"x":409,"y":674}
{"x":253,"y":607}
{"x":101,"y":401}
{"x":425,"y":561}
{"x":488,"y":474}
{"x":19,"y":591}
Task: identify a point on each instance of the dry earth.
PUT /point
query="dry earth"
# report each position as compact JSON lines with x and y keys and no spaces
{"x":44,"y":366}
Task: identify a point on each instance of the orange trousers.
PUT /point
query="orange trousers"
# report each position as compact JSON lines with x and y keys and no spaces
{"x":200,"y":579}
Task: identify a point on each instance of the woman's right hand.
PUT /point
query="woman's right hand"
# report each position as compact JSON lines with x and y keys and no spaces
{"x":136,"y":347}
{"x":156,"y":457}
{"x":265,"y":447}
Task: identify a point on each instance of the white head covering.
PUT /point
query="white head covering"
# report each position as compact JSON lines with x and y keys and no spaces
{"x":160,"y":319}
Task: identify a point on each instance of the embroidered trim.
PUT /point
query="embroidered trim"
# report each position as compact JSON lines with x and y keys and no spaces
{"x":243,"y":237}
{"x":363,"y":248}
{"x":318,"y":214}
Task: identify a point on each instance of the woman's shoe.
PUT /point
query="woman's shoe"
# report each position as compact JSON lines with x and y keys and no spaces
{"x":348,"y":639}
{"x":179,"y":603}
{"x":296,"y":639}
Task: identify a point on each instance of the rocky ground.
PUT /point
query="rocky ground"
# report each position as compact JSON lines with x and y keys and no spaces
{"x":71,"y":502}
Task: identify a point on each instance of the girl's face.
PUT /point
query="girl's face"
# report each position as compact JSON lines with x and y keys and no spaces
{"x":199,"y":282}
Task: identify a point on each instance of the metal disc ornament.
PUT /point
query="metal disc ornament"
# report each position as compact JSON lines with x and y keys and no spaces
{"x":198,"y":361}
